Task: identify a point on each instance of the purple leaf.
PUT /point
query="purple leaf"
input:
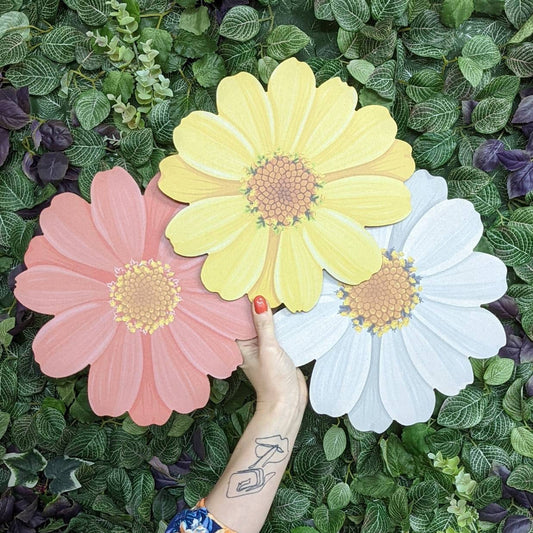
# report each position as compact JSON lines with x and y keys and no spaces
{"x":527,"y":129}
{"x":7,"y":503}
{"x":197,"y":443}
{"x":519,"y":183}
{"x":526,"y":351}
{"x":524,"y":111}
{"x":493,"y":513}
{"x":517,"y":524}
{"x":15,"y":108}
{"x":486,"y":155}
{"x":504,"y":308}
{"x":52,"y":167}
{"x":528,"y":91}
{"x":73,"y":173}
{"x":467,"y":108}
{"x":514,"y":159}
{"x":512,"y":349}
{"x":529,"y":147}
{"x":528,"y":389}
{"x":29,"y":166}
{"x":56,"y":136}
{"x":36,"y":133}
{"x":69,"y":186}
{"x":4,"y":145}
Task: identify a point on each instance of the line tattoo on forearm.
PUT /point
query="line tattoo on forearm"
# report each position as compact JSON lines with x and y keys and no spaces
{"x":273,"y":449}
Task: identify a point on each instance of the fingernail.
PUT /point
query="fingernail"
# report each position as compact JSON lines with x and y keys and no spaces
{"x":260,"y":304}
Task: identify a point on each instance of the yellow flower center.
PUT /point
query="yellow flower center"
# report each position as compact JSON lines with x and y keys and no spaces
{"x":386,"y":300}
{"x":282,"y":190}
{"x":144,"y":295}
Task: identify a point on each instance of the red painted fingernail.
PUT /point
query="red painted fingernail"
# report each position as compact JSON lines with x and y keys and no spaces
{"x":260,"y":305}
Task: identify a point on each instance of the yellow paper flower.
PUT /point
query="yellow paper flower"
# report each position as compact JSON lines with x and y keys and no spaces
{"x":282,"y":183}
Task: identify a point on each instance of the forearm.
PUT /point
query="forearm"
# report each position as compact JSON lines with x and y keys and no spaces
{"x":243,"y":495}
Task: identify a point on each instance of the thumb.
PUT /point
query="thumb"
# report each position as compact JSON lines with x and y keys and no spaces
{"x":264,"y":324}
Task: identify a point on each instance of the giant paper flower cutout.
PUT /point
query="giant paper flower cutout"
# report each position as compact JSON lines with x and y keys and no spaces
{"x":125,"y":304}
{"x":282,"y":183}
{"x":382,"y":346}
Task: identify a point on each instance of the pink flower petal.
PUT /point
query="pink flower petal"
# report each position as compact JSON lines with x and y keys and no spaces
{"x":159,"y":210}
{"x":51,"y":289}
{"x":148,"y":407}
{"x":115,"y":377}
{"x":186,"y":269}
{"x":118,"y":212}
{"x":181,"y":386}
{"x":41,"y":252}
{"x":74,"y":339}
{"x":205,"y":349}
{"x":69,"y":228}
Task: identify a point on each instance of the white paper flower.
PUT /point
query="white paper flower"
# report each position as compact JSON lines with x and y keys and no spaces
{"x":383,"y":345}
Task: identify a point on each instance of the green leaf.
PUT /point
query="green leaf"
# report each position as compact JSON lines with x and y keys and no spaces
{"x":480,"y":458}
{"x":50,"y":423}
{"x":520,"y":60}
{"x":339,"y":496}
{"x":16,"y":192}
{"x":448,"y":441}
{"x":455,"y":12}
{"x":23,"y":432}
{"x":60,"y":44}
{"x":118,"y":83}
{"x":487,"y":491}
{"x":39,"y":74}
{"x":24,"y":468}
{"x":92,"y":107}
{"x":311,"y":464}
{"x":4,"y":423}
{"x":194,"y":20}
{"x":397,"y":460}
{"x":334,"y":442}
{"x":216,"y":445}
{"x":161,"y":41}
{"x":137,"y":146}
{"x":518,"y":11}
{"x":482,"y":50}
{"x":501,"y":87}
{"x":15,"y":22}
{"x":424,"y":84}
{"x":498,"y":371}
{"x":436,"y":114}
{"x":266,"y":66}
{"x":93,"y":12}
{"x":522,"y":441}
{"x":328,"y":521}
{"x":88,"y":147}
{"x":398,"y":505}
{"x":13,"y":49}
{"x":180,"y":424}
{"x":383,"y":9}
{"x":350,"y":14}
{"x":382,"y":80}
{"x":513,"y":245}
{"x":209,"y":70}
{"x":89,"y":443}
{"x":376,"y":486}
{"x":432,"y":150}
{"x":289,"y":505}
{"x":491,"y":115}
{"x":239,"y":56}
{"x":142,"y":495}
{"x":489,"y":7}
{"x":521,"y":478}
{"x":62,"y":472}
{"x":472,"y":72}
{"x":285,"y":41}
{"x":189,"y":45}
{"x":512,"y":401}
{"x":119,"y":485}
{"x":241,"y":23}
{"x":462,"y":411}
{"x":360,"y":70}
{"x":376,"y":518}
{"x":523,"y":33}
{"x":322,"y":10}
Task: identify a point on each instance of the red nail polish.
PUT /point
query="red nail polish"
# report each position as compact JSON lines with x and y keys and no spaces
{"x":260,"y":305}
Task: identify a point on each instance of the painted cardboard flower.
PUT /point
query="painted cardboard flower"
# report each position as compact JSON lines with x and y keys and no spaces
{"x":282,"y":183}
{"x":382,"y":346}
{"x":126,"y":304}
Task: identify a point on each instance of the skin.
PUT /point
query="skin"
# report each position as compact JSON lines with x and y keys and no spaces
{"x":243,"y":495}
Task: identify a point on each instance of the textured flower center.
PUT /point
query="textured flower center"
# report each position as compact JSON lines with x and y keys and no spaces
{"x":144,"y":295}
{"x":282,"y":190}
{"x":386,"y":300}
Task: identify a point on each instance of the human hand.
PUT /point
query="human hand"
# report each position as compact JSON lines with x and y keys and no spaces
{"x":270,"y":370}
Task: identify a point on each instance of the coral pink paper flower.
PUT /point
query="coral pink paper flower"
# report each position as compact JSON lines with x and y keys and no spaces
{"x":125,"y":304}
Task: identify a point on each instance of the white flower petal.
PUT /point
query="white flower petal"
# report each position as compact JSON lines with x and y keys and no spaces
{"x":478,"y":279}
{"x":308,"y":336}
{"x":472,"y":331}
{"x":426,"y":191}
{"x":382,"y":235}
{"x":405,"y":394}
{"x":444,"y":236}
{"x":369,"y":414}
{"x":340,"y":375}
{"x":441,"y":366}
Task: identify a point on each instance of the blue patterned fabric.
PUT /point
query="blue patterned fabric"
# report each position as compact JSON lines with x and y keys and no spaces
{"x":196,"y":520}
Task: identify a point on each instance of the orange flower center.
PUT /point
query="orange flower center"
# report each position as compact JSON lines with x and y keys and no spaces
{"x":144,"y":295}
{"x":281,"y":191}
{"x":386,"y":300}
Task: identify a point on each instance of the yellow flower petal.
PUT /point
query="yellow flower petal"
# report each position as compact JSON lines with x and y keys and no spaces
{"x":242,"y":101}
{"x":186,"y":184}
{"x":291,"y":90}
{"x":332,"y":110}
{"x":211,"y":144}
{"x":397,"y":162}
{"x":208,"y":225}
{"x":370,"y":200}
{"x":233,"y":271}
{"x":298,"y":276}
{"x":369,"y":134}
{"x":265,"y":283}
{"x":342,"y":247}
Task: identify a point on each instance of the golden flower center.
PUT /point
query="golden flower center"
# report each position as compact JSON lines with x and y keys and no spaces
{"x":282,"y":190}
{"x":144,"y":295}
{"x":386,"y":300}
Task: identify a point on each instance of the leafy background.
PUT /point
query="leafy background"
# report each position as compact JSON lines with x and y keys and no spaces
{"x":89,"y":84}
